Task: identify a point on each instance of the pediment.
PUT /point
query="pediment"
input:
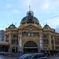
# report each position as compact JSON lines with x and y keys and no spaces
{"x":30,"y":27}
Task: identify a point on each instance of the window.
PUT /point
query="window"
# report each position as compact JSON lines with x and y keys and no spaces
{"x":7,"y":36}
{"x":45,"y":46}
{"x":51,"y":37}
{"x":14,"y":41}
{"x":52,"y":47}
{"x":24,"y":33}
{"x":45,"y":36}
{"x":52,"y":41}
{"x":45,"y":41}
{"x":57,"y":47}
{"x":15,"y":36}
{"x":30,"y":34}
{"x":57,"y":41}
{"x":30,"y":44}
{"x":36,"y":34}
{"x":7,"y":40}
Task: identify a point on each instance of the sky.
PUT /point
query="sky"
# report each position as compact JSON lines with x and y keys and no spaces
{"x":46,"y":11}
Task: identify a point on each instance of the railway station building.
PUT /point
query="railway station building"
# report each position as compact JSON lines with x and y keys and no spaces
{"x":30,"y":36}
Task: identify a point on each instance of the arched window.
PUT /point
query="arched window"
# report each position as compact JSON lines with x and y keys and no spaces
{"x":7,"y":36}
{"x":30,"y":44}
{"x":51,"y":37}
{"x":45,"y":36}
{"x":14,"y":41}
{"x":45,"y":41}
{"x":15,"y":36}
{"x":30,"y":47}
{"x":52,"y":42}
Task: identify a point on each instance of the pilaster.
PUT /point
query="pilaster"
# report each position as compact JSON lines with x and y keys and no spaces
{"x":50,"y":45}
{"x":54,"y":42}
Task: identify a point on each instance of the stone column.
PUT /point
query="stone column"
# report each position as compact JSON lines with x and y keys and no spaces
{"x":5,"y":37}
{"x":10,"y":48}
{"x":54,"y":42}
{"x":20,"y":47}
{"x":50,"y":45}
{"x":40,"y":42}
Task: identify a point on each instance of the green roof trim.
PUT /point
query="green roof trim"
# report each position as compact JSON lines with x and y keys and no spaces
{"x":12,"y":26}
{"x":46,"y":26}
{"x":29,"y":19}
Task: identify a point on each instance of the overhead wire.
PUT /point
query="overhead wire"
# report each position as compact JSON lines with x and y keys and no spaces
{"x":40,"y":20}
{"x":4,"y":20}
{"x":50,"y":18}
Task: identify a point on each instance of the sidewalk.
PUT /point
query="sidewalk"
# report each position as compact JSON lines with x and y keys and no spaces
{"x":52,"y":55}
{"x":14,"y":55}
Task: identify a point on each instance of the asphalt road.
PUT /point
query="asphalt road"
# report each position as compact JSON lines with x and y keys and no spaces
{"x":10,"y":57}
{"x":53,"y":57}
{"x":7,"y":57}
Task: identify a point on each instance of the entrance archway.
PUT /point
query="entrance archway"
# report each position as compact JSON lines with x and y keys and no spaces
{"x":30,"y":47}
{"x":14,"y":49}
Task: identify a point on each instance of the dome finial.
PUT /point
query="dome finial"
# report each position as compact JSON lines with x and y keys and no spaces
{"x":29,"y":8}
{"x":46,"y":23}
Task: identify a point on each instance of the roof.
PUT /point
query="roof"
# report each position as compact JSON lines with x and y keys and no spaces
{"x":12,"y":26}
{"x":46,"y":26}
{"x":3,"y":42}
{"x":29,"y":18}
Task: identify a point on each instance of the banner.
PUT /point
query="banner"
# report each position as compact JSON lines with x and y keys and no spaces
{"x":40,"y":41}
{"x":40,"y":36}
{"x":20,"y":42}
{"x":40,"y":45}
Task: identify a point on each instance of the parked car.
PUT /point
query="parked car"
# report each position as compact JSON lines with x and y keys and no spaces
{"x":33,"y":56}
{"x":2,"y":53}
{"x":58,"y":54}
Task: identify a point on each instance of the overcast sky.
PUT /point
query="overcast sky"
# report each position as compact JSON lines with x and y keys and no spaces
{"x":12,"y":11}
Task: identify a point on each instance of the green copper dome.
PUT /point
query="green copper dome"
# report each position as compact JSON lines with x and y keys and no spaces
{"x":29,"y":18}
{"x":46,"y":26}
{"x":12,"y":26}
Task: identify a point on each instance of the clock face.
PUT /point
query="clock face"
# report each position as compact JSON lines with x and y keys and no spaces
{"x":30,"y":29}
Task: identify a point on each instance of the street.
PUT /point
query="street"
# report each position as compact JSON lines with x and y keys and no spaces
{"x":10,"y":57}
{"x":54,"y":57}
{"x":7,"y":57}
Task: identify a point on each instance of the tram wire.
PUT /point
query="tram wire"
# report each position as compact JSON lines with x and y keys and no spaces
{"x":40,"y":20}
{"x":50,"y":18}
{"x":4,"y":20}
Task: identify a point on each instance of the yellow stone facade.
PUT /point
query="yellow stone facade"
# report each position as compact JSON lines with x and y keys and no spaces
{"x":46,"y":37}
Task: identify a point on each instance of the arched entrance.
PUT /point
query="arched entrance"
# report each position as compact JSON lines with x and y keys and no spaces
{"x":30,"y":47}
{"x":14,"y":49}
